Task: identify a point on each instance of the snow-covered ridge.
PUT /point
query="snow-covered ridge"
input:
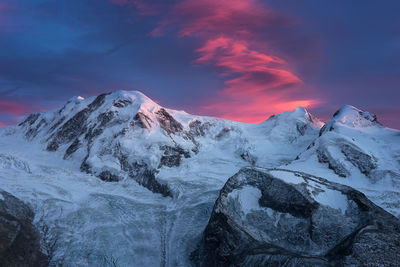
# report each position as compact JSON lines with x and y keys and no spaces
{"x":126,"y":134}
{"x":352,"y":117}
{"x":161,"y":171}
{"x":355,"y":149}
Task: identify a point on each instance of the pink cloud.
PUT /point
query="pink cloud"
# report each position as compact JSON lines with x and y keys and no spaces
{"x":255,"y":109}
{"x":257,"y":71}
{"x":232,"y":36}
{"x":235,"y":55}
{"x":227,"y":16}
{"x":196,"y":17}
{"x":12,"y":108}
{"x":258,"y":85}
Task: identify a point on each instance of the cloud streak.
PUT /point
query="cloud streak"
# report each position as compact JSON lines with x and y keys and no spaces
{"x":13,"y":108}
{"x":257,"y":71}
{"x":257,"y":82}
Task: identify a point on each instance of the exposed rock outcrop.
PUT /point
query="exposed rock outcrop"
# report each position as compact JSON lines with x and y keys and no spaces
{"x":167,"y":122}
{"x":75,"y":126}
{"x":172,"y":156}
{"x":274,"y":217}
{"x":19,"y":240}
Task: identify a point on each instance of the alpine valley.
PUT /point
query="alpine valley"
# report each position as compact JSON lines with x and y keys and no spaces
{"x":118,"y":180}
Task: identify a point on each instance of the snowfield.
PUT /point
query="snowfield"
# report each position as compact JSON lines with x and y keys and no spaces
{"x":119,"y":179}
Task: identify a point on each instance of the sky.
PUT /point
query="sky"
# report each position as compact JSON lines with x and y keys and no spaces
{"x":241,"y":60}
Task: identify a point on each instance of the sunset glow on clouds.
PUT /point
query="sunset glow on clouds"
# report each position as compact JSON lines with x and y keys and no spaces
{"x":259,"y":86}
{"x":13,"y":108}
{"x":236,"y":59}
{"x":244,"y":17}
{"x":256,"y":82}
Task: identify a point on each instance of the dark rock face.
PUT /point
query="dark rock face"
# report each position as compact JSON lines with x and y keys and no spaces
{"x":144,"y":176}
{"x":30,"y":120}
{"x":365,"y":163}
{"x":353,"y":154}
{"x":168,"y":123}
{"x":58,"y":123}
{"x":121,"y":103}
{"x":75,"y":126}
{"x":33,"y":130}
{"x":223,"y":133}
{"x":197,"y":128}
{"x":108,"y":176}
{"x":296,"y":221}
{"x":72,"y":148}
{"x":19,"y":240}
{"x":301,"y":128}
{"x":325,"y":157}
{"x":139,"y":171}
{"x":172,"y":156}
{"x":141,"y":120}
{"x":246,"y":156}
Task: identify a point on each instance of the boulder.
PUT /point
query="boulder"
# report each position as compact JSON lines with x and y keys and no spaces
{"x":276,"y":217}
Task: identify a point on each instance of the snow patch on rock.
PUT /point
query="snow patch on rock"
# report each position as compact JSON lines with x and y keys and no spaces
{"x":248,"y":197}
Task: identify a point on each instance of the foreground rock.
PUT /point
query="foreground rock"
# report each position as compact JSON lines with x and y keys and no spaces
{"x":19,"y":240}
{"x":274,"y":217}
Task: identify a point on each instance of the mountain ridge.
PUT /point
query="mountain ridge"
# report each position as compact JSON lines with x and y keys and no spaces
{"x":117,"y":117}
{"x":147,"y":177}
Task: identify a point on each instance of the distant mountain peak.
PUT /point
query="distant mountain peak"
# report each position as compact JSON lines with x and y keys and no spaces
{"x":299,"y":115}
{"x":352,"y":115}
{"x":135,"y":97}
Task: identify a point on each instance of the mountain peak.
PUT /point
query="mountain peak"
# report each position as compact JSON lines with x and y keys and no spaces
{"x":299,"y":114}
{"x":300,"y":110}
{"x":136,"y":96}
{"x":351,"y":115}
{"x":135,"y":99}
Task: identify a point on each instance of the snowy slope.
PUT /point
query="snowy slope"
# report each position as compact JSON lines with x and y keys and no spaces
{"x":355,"y":149}
{"x":169,"y":167}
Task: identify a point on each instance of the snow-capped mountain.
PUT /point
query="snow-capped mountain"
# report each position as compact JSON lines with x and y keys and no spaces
{"x":118,"y":177}
{"x":126,"y":134}
{"x":355,"y":149}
